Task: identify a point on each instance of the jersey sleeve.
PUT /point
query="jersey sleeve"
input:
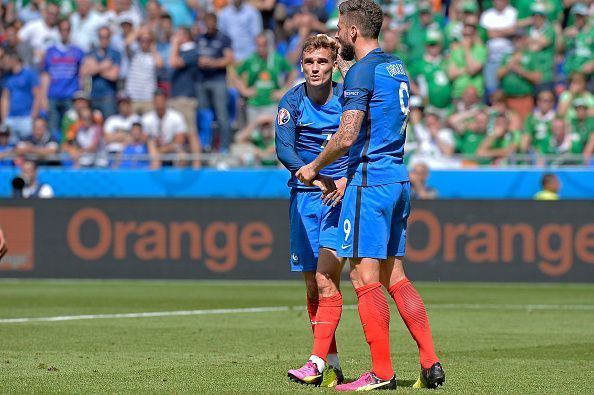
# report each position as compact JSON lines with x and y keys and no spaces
{"x":286,"y":133}
{"x":358,"y":88}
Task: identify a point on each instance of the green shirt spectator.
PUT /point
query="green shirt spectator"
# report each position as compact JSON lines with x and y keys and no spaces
{"x":541,"y":41}
{"x":517,"y":74}
{"x":426,"y":21}
{"x":581,"y":128}
{"x":538,"y":128}
{"x":265,"y":76}
{"x":467,"y":59}
{"x":430,"y":73}
{"x":553,"y":10}
{"x":577,"y":90}
{"x":579,"y":48}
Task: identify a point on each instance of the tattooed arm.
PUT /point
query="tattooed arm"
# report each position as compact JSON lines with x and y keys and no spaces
{"x":343,"y":66}
{"x":339,"y":144}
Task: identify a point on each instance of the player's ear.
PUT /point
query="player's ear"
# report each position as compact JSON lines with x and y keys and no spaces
{"x":334,"y":65}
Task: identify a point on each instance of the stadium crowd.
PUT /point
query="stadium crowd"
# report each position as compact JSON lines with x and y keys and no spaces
{"x":147,"y":83}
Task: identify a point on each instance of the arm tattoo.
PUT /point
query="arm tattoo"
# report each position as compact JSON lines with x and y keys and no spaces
{"x":343,"y":66}
{"x":350,"y":125}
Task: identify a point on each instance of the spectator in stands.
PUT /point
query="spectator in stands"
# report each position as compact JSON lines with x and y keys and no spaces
{"x":85,"y":22}
{"x":137,"y":145}
{"x":41,"y":145}
{"x":537,"y":128}
{"x":255,"y":142}
{"x":501,"y":142}
{"x":467,"y":59}
{"x":470,"y":123}
{"x":153,"y":12}
{"x":550,"y":188}
{"x":215,"y":55}
{"x":60,"y":77}
{"x":431,"y":74}
{"x":519,"y":74}
{"x":27,"y":12}
{"x":103,"y":66}
{"x":414,"y":37}
{"x":20,"y":97}
{"x":33,"y":188}
{"x":500,"y":23}
{"x":118,"y":127}
{"x":469,"y":104}
{"x":163,"y":39}
{"x":577,"y":90}
{"x":84,"y":142}
{"x":435,"y":144}
{"x":80,"y":101}
{"x":12,"y":43}
{"x":42,"y":33}
{"x":392,"y":45}
{"x":141,"y":81}
{"x":260,"y":79}
{"x":6,"y":148}
{"x":123,"y":11}
{"x":578,"y":41}
{"x":541,"y":42}
{"x":419,"y":190}
{"x":167,"y":128}
{"x":180,"y":12}
{"x":184,"y":61}
{"x":242,"y":23}
{"x":581,"y":129}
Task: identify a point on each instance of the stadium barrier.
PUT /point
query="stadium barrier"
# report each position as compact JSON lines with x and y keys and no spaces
{"x":249,"y":239}
{"x":271,"y":183}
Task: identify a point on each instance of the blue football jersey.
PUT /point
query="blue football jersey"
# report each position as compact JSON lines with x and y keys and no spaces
{"x":378,"y":85}
{"x":304,"y":128}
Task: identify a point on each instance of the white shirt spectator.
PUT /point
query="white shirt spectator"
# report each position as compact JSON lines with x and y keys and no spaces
{"x":119,"y":123}
{"x":164,"y":129}
{"x":429,"y":151}
{"x":42,"y":191}
{"x":241,"y":25}
{"x":493,"y":19}
{"x":84,"y":31}
{"x":40,"y":36}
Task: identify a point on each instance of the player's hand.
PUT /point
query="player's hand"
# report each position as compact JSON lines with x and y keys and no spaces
{"x":3,"y":246}
{"x":306,"y":174}
{"x":335,"y":197}
{"x":325,"y":183}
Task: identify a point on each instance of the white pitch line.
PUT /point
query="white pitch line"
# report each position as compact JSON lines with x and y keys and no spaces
{"x":462,"y":306}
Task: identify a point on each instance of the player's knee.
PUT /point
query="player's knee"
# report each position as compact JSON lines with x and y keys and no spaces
{"x":325,"y":285}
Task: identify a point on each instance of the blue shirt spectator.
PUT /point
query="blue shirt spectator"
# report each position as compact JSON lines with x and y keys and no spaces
{"x":213,"y":45}
{"x":242,"y":22}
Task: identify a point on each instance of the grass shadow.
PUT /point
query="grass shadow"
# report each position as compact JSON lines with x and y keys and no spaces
{"x":406,"y":383}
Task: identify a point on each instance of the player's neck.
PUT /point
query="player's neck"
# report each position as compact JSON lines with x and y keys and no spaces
{"x":320,"y":95}
{"x":364,"y":47}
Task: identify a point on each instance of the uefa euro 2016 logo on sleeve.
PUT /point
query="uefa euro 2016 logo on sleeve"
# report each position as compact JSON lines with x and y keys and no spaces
{"x":283,"y":116}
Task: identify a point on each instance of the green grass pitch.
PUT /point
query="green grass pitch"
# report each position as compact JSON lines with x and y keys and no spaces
{"x":492,"y":338}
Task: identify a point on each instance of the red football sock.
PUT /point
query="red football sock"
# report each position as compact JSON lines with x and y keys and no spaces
{"x":412,"y":310}
{"x":327,"y":318}
{"x":312,"y":310}
{"x":375,"y":318}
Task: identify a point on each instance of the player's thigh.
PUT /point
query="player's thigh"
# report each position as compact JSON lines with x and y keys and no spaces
{"x":304,"y":213}
{"x":364,"y":271}
{"x":399,"y":219}
{"x":365,"y":222}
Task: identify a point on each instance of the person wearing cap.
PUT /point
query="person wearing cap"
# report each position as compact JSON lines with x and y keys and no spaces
{"x":538,"y":126}
{"x":60,"y":77}
{"x":541,"y":42}
{"x":6,"y":148}
{"x":579,"y":42}
{"x":80,"y":101}
{"x":581,"y":129}
{"x":20,"y":97}
{"x":116,"y":130}
{"x":500,"y":23}
{"x":519,"y":74}
{"x":102,"y":65}
{"x":431,"y":73}
{"x":427,"y":20}
{"x":553,"y":11}
{"x":468,"y":58}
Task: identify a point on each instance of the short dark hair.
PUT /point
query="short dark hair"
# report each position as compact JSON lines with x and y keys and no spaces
{"x":547,"y":178}
{"x":319,"y":41}
{"x":365,"y":14}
